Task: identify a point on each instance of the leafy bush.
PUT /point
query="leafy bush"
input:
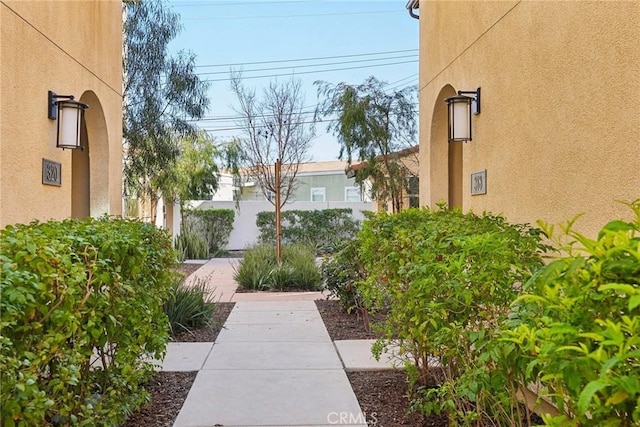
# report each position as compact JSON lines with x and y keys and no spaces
{"x":212,"y":225}
{"x":71,"y":291}
{"x":190,"y":306}
{"x":325,"y":230}
{"x":341,"y":273}
{"x":259,"y":270}
{"x":448,"y":280}
{"x":576,"y":332}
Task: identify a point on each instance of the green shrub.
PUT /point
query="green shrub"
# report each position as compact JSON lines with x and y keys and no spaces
{"x":190,"y":306}
{"x":325,"y":230}
{"x":447,"y":280}
{"x":212,"y":225}
{"x":576,"y":332}
{"x":254,"y":271}
{"x":190,"y":244}
{"x":341,"y":273}
{"x":72,"y":290}
{"x":259,"y":270}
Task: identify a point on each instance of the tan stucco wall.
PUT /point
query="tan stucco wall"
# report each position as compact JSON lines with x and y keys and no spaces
{"x":559,"y":131}
{"x":69,"y":47}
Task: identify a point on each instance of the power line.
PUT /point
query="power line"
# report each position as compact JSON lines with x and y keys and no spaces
{"x":309,"y":59}
{"x":316,"y":71}
{"x":218,"y":3}
{"x":265,"y":125}
{"x":314,"y":15}
{"x":311,"y":65}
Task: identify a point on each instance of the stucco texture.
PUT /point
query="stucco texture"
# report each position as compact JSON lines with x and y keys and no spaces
{"x":559,"y":128}
{"x":71,"y":48}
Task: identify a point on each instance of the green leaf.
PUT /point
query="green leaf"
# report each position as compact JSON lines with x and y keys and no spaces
{"x":618,"y":397}
{"x":584,"y":400}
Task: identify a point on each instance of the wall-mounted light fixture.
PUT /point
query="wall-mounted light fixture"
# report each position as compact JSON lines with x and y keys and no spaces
{"x":70,"y":115}
{"x":460,"y":108}
{"x":411,"y":6}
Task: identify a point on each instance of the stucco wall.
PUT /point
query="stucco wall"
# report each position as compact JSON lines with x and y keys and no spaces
{"x":71,"y":48}
{"x":559,"y":130}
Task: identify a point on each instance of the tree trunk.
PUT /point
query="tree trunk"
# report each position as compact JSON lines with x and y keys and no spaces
{"x":278,"y":211}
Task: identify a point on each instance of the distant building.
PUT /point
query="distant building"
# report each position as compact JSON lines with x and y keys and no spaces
{"x":409,"y":190}
{"x":69,"y":48}
{"x":316,"y":182}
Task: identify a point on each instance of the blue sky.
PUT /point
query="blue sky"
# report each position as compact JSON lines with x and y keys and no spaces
{"x":279,"y":37}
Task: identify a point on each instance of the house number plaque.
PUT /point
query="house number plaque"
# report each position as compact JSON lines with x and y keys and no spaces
{"x":51,"y":173}
{"x":479,"y":183}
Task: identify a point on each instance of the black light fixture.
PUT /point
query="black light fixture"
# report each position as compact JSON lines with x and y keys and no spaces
{"x":459,"y":112}
{"x":70,"y":114}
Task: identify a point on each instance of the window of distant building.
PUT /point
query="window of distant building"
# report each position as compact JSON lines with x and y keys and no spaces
{"x":318,"y":194}
{"x":352,"y":194}
{"x":414,"y":192}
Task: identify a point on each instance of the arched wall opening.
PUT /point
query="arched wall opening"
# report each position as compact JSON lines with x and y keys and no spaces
{"x":446,"y":164}
{"x":81,"y":178}
{"x":90,"y":167}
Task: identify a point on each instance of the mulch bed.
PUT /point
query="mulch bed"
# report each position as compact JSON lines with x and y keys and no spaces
{"x":168,"y":392}
{"x":382,"y":394}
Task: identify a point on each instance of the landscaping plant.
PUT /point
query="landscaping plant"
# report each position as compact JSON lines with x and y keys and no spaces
{"x":325,"y":230}
{"x":341,"y":273}
{"x":447,"y":280}
{"x":190,"y":306}
{"x":214,"y":226}
{"x":576,"y":331}
{"x":259,"y":270}
{"x":190,"y":244}
{"x":80,"y":315}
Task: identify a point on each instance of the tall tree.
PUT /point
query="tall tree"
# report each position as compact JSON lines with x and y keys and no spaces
{"x":277,"y":138}
{"x":194,"y":174}
{"x":375,"y":127}
{"x":162,"y":96}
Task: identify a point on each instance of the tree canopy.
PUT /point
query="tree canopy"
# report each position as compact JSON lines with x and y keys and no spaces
{"x":162,"y":97}
{"x":375,"y":127}
{"x":274,"y":128}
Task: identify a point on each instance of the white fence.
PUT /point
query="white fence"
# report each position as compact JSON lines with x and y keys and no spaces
{"x":245,"y":231}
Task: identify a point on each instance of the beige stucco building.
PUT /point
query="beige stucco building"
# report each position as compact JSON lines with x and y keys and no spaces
{"x":559,"y":128}
{"x":70,"y":48}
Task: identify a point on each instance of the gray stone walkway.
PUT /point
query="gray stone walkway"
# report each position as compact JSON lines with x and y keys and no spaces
{"x":273,"y":364}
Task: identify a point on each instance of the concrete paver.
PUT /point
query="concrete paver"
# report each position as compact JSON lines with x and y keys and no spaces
{"x":271,"y":332}
{"x":356,"y":356}
{"x":186,"y":356}
{"x":273,"y":355}
{"x":267,"y":398}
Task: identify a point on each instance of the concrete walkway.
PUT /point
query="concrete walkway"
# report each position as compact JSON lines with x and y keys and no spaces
{"x":273,"y":364}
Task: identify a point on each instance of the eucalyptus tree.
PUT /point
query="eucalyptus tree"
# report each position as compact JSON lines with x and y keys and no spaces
{"x":162,"y":95}
{"x":376,"y":127}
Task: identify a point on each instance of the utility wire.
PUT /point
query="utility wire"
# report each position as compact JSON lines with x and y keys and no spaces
{"x":265,"y":125}
{"x":308,"y":59}
{"x":313,"y":72}
{"x":311,"y":65}
{"x":314,"y":15}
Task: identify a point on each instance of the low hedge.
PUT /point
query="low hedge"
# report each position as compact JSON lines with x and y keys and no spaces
{"x":325,"y":230}
{"x":81,"y":310}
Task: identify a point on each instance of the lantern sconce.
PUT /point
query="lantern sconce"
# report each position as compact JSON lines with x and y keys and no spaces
{"x":459,"y":109}
{"x":70,"y":114}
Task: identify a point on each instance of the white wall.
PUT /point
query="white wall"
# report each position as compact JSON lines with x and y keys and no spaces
{"x":245,"y":232}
